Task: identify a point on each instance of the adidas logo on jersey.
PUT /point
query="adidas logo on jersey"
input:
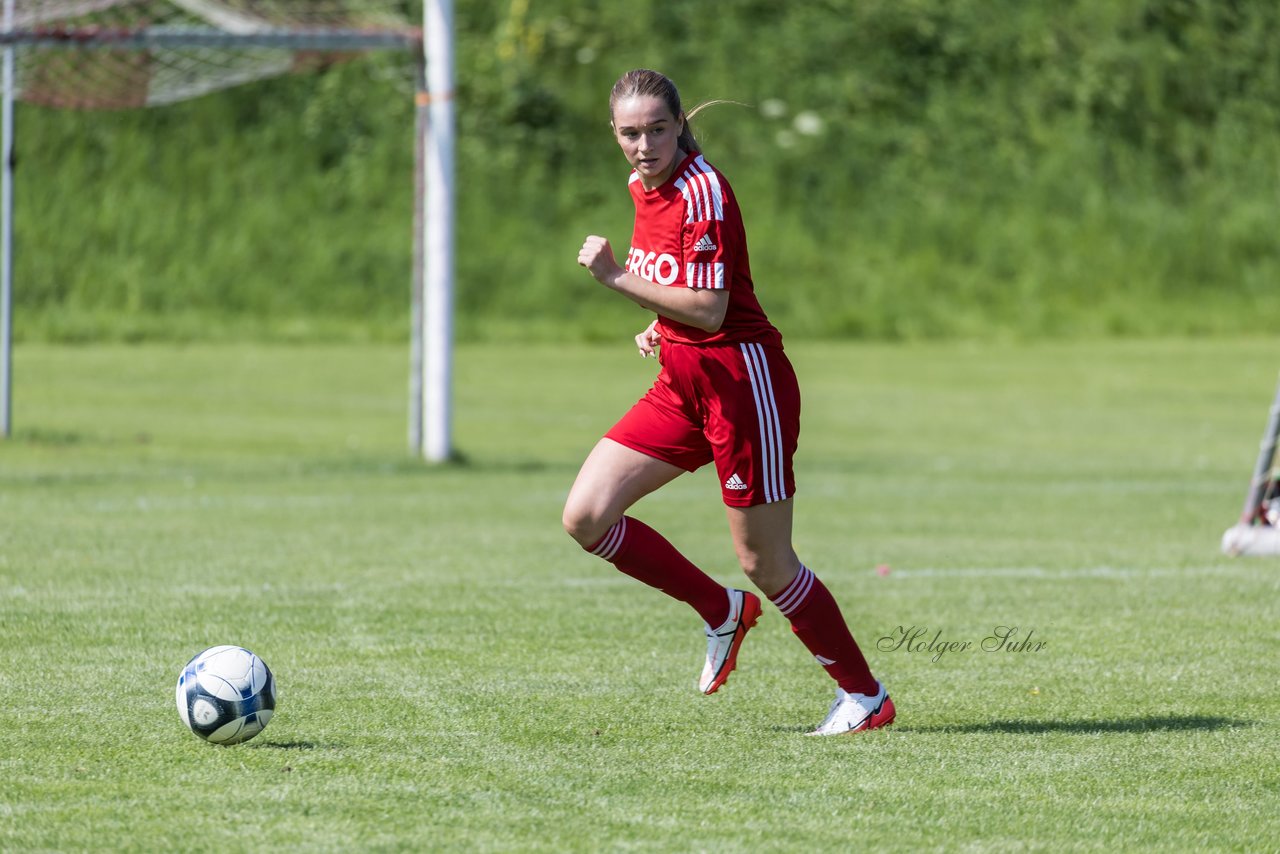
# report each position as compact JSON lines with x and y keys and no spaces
{"x":706,"y":244}
{"x":735,"y":482}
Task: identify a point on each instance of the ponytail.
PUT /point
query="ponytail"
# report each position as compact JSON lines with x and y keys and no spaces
{"x":686,"y":136}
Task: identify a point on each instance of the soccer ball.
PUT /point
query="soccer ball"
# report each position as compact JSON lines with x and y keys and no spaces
{"x":226,"y":695}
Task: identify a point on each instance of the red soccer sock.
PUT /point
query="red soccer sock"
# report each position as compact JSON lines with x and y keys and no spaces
{"x":645,"y":555}
{"x":816,"y":619}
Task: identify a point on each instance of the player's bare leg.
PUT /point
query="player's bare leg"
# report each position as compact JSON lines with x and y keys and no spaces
{"x":613,"y":478}
{"x":762,"y":539}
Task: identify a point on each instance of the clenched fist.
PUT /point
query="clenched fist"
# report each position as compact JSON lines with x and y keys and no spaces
{"x":597,"y":256}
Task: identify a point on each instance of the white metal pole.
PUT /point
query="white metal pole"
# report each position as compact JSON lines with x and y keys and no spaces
{"x":421,"y":104}
{"x":6,"y":234}
{"x":438,"y":286}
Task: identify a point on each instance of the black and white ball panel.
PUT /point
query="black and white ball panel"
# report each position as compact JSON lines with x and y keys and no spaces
{"x":226,"y":695}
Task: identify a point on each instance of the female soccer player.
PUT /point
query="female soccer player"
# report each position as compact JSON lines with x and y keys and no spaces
{"x":725,"y":393}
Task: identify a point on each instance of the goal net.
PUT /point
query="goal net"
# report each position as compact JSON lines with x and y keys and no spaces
{"x":1258,"y":531}
{"x":121,"y":54}
{"x":115,"y":54}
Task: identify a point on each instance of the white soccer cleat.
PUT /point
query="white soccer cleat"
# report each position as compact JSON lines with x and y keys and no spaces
{"x":723,"y":643}
{"x":857,"y":712}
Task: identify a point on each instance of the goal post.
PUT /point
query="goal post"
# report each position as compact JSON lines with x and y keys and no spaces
{"x":435,"y":441}
{"x":6,"y":224}
{"x":114,"y":54}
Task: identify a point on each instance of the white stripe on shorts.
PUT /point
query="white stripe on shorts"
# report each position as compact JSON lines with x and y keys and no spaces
{"x":775,"y":485}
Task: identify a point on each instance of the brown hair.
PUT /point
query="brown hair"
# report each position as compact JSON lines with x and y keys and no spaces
{"x":643,"y":82}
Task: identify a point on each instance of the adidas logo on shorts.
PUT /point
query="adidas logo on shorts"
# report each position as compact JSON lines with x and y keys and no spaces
{"x":705,"y":244}
{"x":735,"y":482}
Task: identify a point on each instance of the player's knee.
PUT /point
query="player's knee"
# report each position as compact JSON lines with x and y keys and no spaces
{"x":585,"y":526}
{"x":767,"y":571}
{"x":757,"y":569}
{"x":574,"y":524}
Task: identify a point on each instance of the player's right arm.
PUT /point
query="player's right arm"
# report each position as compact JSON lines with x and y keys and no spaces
{"x":702,"y":308}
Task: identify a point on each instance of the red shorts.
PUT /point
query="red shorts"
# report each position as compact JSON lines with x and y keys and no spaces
{"x":736,"y":404}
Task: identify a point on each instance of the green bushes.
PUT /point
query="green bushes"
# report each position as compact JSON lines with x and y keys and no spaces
{"x":908,"y":169}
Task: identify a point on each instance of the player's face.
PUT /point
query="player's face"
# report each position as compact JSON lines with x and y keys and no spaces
{"x":648,"y":134}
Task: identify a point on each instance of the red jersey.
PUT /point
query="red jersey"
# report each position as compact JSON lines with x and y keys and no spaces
{"x":689,"y":234}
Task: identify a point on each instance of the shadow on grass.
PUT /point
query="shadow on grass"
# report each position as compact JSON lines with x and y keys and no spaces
{"x":49,"y":438}
{"x":293,"y":745}
{"x":1167,"y":723}
{"x":458,"y":461}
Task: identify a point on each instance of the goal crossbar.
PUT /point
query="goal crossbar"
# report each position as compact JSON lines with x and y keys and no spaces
{"x":141,"y":38}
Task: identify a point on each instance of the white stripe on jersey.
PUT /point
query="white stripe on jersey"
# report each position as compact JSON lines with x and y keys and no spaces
{"x":608,"y":545}
{"x":775,"y":487}
{"x":702,"y":193}
{"x":705,"y":275}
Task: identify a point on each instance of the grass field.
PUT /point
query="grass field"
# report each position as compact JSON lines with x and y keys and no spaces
{"x":456,"y":675}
